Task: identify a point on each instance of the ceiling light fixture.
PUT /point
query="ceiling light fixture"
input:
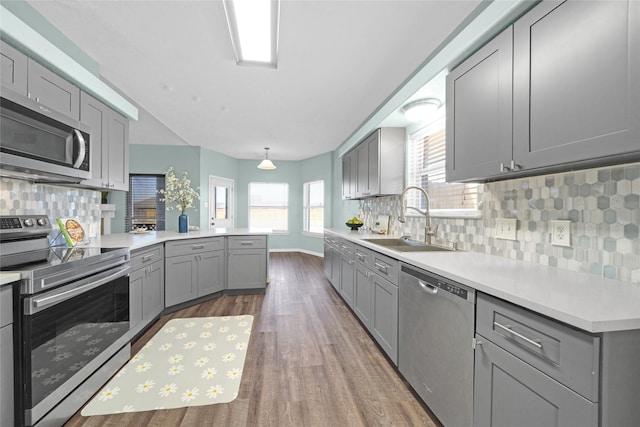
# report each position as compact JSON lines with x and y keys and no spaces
{"x":266,"y":164}
{"x":421,"y":110}
{"x":253,"y":25}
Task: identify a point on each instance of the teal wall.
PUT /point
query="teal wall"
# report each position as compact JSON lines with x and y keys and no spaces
{"x":214,"y":164}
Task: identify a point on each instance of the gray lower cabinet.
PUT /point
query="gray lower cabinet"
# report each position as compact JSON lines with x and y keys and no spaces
{"x":109,"y":144}
{"x":510,"y":392}
{"x":146,"y":285}
{"x":247,"y":262}
{"x":363,"y":294}
{"x":384,"y":320}
{"x":52,"y":91}
{"x":192,"y":270}
{"x":347,"y":289}
{"x":6,"y":357}
{"x":13,"y":69}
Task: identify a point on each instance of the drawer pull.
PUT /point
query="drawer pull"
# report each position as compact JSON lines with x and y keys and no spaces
{"x":522,"y":337}
{"x":246,"y":242}
{"x":194,"y":247}
{"x":146,"y":258}
{"x":360,"y":256}
{"x":381,"y":266}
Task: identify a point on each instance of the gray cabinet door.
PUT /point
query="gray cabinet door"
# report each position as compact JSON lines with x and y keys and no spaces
{"x":118,"y":152}
{"x":508,"y":392}
{"x":247,"y":269}
{"x":153,"y":291}
{"x":51,"y":90}
{"x":576,"y":82}
{"x":95,"y":114}
{"x":479,"y":106}
{"x":327,"y":261}
{"x":13,"y":69}
{"x":346,"y":279}
{"x":181,"y":279}
{"x":136,"y":284}
{"x":6,"y":373}
{"x":348,"y":176}
{"x":367,"y":170}
{"x":363,"y":295}
{"x":384,"y":323}
{"x":210,"y":272}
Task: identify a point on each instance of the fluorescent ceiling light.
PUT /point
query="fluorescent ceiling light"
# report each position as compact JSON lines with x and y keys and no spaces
{"x":253,"y":25}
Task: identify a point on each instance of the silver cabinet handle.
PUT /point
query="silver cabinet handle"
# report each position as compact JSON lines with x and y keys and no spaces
{"x":381,"y":266}
{"x":194,"y":247}
{"x":246,"y":242}
{"x":429,"y":288}
{"x":522,"y":337}
{"x":360,"y":256}
{"x":146,"y":258}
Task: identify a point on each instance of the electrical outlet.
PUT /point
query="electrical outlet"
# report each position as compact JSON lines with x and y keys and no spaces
{"x":561,"y":233}
{"x":506,"y":228}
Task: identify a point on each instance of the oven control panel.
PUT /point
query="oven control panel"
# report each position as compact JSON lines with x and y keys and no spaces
{"x":14,"y":225}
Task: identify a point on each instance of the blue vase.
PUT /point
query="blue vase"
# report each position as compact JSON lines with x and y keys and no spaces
{"x":183,"y":223}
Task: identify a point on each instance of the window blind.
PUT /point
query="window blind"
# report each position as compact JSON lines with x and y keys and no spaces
{"x":269,"y":206}
{"x":144,"y":207}
{"x":427,"y":169}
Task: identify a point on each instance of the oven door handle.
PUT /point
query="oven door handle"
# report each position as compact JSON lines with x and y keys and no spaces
{"x":39,"y":303}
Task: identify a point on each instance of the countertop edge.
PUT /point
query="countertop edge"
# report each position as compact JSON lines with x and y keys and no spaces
{"x":7,"y":278}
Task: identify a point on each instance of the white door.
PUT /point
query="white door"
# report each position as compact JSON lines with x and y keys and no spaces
{"x":220,"y":202}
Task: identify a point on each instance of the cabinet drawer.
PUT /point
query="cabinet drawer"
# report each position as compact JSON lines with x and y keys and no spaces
{"x":247,"y":242}
{"x":194,"y":246}
{"x":346,"y":248}
{"x":146,"y":256}
{"x":6,"y":305}
{"x":565,"y":354}
{"x":386,"y":267}
{"x":363,"y":256}
{"x":332,"y":240}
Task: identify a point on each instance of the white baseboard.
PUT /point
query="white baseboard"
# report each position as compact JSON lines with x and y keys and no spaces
{"x":304,"y":251}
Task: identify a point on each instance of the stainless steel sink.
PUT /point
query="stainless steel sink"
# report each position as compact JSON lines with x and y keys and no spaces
{"x":406,"y":245}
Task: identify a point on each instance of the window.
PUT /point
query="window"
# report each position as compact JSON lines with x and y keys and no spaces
{"x":426,"y":169}
{"x":144,"y":208}
{"x":269,"y":206}
{"x":313,"y":207}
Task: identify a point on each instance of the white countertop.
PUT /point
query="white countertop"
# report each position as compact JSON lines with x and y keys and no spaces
{"x":586,"y":301}
{"x":6,"y":278}
{"x":137,"y":241}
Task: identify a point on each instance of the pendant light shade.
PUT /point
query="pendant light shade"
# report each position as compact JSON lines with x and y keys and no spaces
{"x":266,"y":164}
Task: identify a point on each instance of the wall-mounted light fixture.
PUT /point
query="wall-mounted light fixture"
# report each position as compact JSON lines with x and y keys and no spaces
{"x":266,"y":164}
{"x":421,"y":109}
{"x":253,"y":25}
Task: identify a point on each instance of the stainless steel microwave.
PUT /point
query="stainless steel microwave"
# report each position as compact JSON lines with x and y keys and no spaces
{"x":42,"y":145}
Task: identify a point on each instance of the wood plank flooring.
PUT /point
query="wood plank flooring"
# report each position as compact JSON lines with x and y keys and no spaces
{"x":310,"y":362}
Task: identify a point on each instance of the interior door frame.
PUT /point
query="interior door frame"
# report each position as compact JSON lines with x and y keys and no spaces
{"x":218,"y":181}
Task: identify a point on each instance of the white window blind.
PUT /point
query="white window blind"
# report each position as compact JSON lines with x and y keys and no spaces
{"x":427,"y":169}
{"x":269,"y":206}
{"x":313,"y":206}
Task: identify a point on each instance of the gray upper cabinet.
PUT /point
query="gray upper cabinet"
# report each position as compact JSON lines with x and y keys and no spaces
{"x":576,"y":82}
{"x":479,"y":105}
{"x":568,"y":98}
{"x":348,"y":175}
{"x":52,"y":91}
{"x":109,"y":144}
{"x":375,"y":167}
{"x":13,"y":69}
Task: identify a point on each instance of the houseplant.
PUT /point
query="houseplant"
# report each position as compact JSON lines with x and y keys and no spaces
{"x":179,"y":195}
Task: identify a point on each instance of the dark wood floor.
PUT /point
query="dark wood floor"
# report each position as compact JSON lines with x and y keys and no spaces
{"x":310,"y":362}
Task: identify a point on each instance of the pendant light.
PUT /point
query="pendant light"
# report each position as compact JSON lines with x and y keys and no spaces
{"x":266,"y":164}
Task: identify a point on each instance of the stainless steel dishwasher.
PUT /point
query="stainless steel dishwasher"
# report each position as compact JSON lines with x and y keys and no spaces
{"x":435,"y":354}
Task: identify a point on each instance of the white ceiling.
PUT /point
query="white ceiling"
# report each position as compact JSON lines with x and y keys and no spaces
{"x":338,"y":62}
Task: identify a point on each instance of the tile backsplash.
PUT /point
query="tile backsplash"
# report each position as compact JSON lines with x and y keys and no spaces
{"x":602,"y":205}
{"x":19,"y":197}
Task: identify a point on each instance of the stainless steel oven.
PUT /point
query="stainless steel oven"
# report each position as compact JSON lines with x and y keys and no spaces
{"x":72,"y":320}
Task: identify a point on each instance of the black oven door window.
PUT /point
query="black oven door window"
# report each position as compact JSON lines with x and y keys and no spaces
{"x":59,"y":341}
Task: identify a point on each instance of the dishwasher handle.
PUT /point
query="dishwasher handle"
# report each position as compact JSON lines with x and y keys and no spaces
{"x":427,"y":287}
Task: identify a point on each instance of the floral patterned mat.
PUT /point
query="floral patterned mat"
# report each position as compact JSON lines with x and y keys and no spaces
{"x":189,"y":362}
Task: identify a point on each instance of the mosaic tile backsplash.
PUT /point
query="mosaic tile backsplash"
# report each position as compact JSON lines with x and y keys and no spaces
{"x":602,"y":205}
{"x":19,"y":197}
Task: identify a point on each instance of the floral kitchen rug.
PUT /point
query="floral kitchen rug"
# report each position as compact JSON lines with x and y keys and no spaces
{"x":189,"y":362}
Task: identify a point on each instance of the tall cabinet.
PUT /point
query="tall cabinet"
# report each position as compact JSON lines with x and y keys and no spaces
{"x":558,"y":89}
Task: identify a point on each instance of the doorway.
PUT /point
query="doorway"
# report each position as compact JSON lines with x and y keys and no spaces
{"x":221,"y":202}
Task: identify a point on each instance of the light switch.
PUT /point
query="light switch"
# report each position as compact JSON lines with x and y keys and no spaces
{"x":506,"y":228}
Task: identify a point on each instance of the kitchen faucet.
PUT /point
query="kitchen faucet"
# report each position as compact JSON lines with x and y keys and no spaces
{"x":428,"y":232}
